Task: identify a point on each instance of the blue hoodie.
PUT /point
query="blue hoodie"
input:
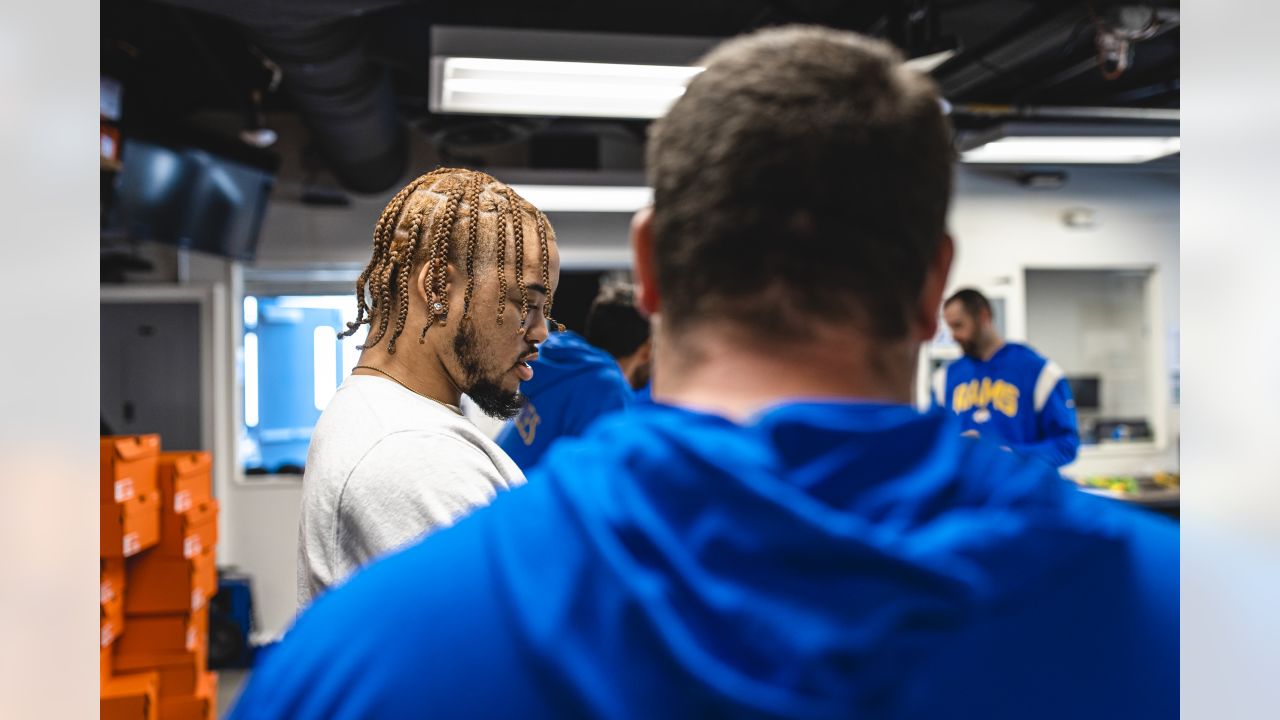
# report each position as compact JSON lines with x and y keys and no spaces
{"x":573,"y":383}
{"x":825,"y":560}
{"x":1016,"y":397}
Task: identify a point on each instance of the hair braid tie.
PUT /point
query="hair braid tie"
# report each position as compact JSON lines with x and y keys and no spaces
{"x":444,"y":228}
{"x":473,"y":205}
{"x":503,"y":234}
{"x":517,"y":233}
{"x":382,"y":235}
{"x":546,"y":268}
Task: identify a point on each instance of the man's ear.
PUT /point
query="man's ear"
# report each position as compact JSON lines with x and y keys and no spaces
{"x":422,"y":284}
{"x":648,"y":301}
{"x":935,"y":282}
{"x":644,"y":353}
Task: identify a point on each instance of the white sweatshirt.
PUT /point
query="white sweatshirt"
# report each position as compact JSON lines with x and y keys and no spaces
{"x":385,"y":467}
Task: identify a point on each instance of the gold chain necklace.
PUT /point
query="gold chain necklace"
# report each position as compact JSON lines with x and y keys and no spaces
{"x":396,"y":380}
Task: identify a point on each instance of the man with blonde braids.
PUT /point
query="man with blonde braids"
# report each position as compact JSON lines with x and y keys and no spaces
{"x":456,"y":297}
{"x":783,"y":534}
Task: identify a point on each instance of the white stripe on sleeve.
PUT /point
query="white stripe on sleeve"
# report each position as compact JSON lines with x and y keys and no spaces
{"x":940,"y":386}
{"x":1050,"y":374}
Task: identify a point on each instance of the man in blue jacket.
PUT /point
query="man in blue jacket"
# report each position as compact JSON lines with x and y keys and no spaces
{"x":577,"y":380}
{"x":1005,"y":390}
{"x":783,"y":534}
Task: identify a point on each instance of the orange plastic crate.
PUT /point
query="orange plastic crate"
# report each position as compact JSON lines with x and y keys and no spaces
{"x":164,"y":585}
{"x":130,"y":527}
{"x":185,"y":478}
{"x":129,"y":464}
{"x":130,"y":697}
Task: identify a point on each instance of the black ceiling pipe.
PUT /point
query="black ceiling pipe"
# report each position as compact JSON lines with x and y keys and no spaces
{"x":346,"y":101}
{"x":1042,"y":30}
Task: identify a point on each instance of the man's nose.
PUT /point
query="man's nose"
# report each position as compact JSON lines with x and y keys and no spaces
{"x":537,"y":332}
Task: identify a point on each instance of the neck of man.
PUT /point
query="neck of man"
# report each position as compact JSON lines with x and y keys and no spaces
{"x":735,"y":375}
{"x":990,"y":346}
{"x":420,"y":368}
{"x":627,"y":364}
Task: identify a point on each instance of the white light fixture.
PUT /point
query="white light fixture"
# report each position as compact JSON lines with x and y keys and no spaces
{"x":251,"y":379}
{"x":585,"y":198}
{"x":547,"y":87}
{"x":250,"y":311}
{"x":324,"y":360}
{"x":259,"y":137}
{"x":1074,"y":150}
{"x":926,"y":63}
{"x":1080,"y":218}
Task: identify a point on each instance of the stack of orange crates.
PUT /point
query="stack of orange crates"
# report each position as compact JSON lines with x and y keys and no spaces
{"x":155,"y":594}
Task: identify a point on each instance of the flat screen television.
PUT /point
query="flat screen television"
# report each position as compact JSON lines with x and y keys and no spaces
{"x":1084,"y":390}
{"x":190,"y":198}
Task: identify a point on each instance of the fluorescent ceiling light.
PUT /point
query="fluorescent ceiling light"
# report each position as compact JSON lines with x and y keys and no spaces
{"x":547,"y":87}
{"x":926,"y":63}
{"x":1080,"y":150}
{"x":585,"y":198}
{"x":324,"y":365}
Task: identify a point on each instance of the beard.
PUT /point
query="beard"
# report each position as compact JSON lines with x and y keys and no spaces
{"x":485,"y":390}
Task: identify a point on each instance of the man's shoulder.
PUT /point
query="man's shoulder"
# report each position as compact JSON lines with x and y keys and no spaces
{"x":1150,"y":536}
{"x":409,"y":436}
{"x":387,"y":449}
{"x":569,"y":347}
{"x":1024,"y":353}
{"x":585,"y":383}
{"x":1150,"y":542}
{"x":428,"y":447}
{"x":608,"y":379}
{"x":593,"y":375}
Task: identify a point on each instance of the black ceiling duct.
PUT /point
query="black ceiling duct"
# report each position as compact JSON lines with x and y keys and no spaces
{"x":347,"y":101}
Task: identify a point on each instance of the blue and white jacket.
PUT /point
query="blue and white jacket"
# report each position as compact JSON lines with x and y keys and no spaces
{"x":1017,"y":397}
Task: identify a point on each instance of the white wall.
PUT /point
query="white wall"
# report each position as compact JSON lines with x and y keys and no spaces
{"x":1001,"y":229}
{"x":1094,"y":322}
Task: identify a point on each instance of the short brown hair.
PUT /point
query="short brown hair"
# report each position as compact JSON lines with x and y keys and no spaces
{"x":973,"y":302}
{"x":804,"y":176}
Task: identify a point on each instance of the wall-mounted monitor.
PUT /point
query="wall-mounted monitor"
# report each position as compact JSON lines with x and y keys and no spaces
{"x":1084,"y":390}
{"x":190,"y":198}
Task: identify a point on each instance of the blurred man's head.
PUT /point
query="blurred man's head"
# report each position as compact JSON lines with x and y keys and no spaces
{"x":617,"y":327}
{"x":968,"y":315}
{"x":801,"y":187}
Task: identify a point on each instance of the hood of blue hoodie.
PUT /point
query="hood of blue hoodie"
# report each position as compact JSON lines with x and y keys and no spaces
{"x":565,"y":355}
{"x":824,"y":560}
{"x":774,"y":559}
